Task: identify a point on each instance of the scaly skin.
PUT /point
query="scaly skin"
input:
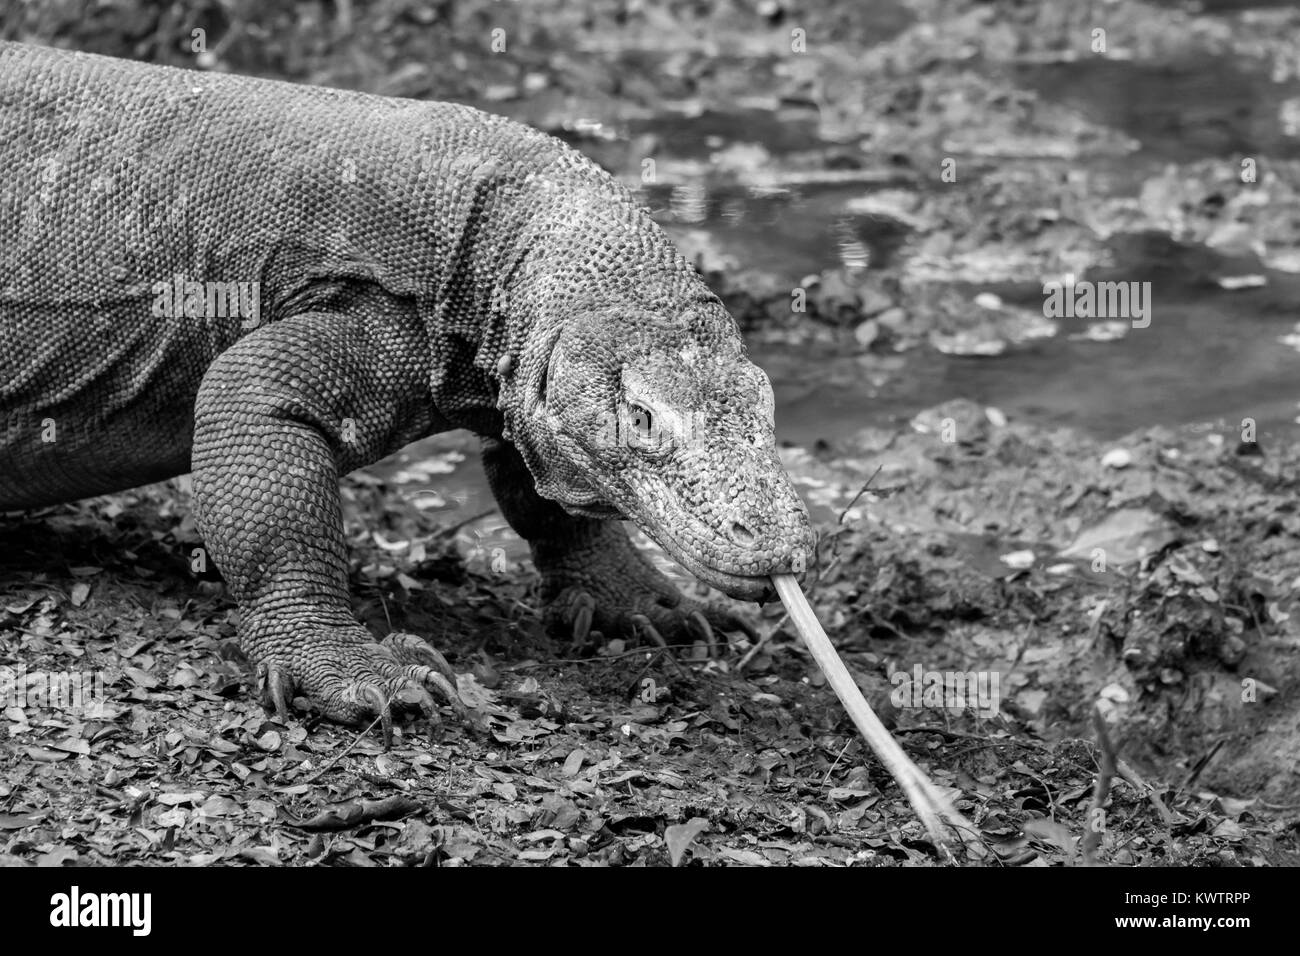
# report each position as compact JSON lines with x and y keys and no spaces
{"x":419,"y":267}
{"x":593,"y":577}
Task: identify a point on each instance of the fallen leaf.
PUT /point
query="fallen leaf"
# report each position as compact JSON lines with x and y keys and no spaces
{"x":1124,"y":535}
{"x":680,"y":836}
{"x":573,"y":763}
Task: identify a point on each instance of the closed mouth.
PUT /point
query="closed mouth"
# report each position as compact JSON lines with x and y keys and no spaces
{"x":742,"y":587}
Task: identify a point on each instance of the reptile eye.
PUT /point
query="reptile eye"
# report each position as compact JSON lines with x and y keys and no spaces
{"x":643,"y":431}
{"x":641,"y":422}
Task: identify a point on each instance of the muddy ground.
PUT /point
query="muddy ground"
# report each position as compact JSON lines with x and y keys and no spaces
{"x":1151,"y":578}
{"x":599,"y":757}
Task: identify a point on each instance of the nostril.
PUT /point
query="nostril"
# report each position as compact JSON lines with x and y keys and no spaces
{"x":742,"y":535}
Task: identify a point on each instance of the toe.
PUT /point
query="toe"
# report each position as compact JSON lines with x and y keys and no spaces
{"x":433,"y":682}
{"x":409,"y":649}
{"x":643,"y":627}
{"x":583,"y":611}
{"x":371,"y":697}
{"x":701,"y":630}
{"x":276,"y":687}
{"x":727,"y":620}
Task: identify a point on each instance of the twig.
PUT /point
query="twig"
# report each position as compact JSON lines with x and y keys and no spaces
{"x":452,"y":529}
{"x":1200,"y":766}
{"x":878,"y":621}
{"x":602,"y":658}
{"x":1015,"y":497}
{"x":1133,"y":777}
{"x":346,"y":750}
{"x":830,"y":770}
{"x":1279,"y":806}
{"x":963,"y":735}
{"x":762,"y":642}
{"x":650,"y":661}
{"x":861,"y":491}
{"x":1093,"y":827}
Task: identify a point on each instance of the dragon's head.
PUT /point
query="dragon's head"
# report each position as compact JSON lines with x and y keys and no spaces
{"x":664,"y":421}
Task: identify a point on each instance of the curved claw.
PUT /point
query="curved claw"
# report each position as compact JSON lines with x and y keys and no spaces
{"x":417,"y":698}
{"x":747,"y":626}
{"x":657,"y":616}
{"x":373,"y":696}
{"x":410,"y":649}
{"x":426,"y":676}
{"x":721,"y":617}
{"x":584,"y":611}
{"x":277,"y":690}
{"x":414,"y":697}
{"x":428,"y":670}
{"x":641,"y":623}
{"x":699,"y":625}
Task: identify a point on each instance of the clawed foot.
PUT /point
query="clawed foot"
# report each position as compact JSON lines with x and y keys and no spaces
{"x":650,"y":614}
{"x":352,"y":679}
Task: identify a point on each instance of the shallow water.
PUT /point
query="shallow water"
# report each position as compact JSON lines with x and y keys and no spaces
{"x":1209,"y":355}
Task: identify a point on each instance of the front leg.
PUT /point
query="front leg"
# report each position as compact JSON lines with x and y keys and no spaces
{"x":279,"y":416}
{"x":593,"y":576}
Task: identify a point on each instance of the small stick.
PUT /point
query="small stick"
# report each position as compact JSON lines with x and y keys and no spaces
{"x":346,"y":750}
{"x":861,"y":491}
{"x":1200,"y":766}
{"x":931,"y":806}
{"x":1092,"y":828}
{"x":1132,"y":776}
{"x":760,"y":644}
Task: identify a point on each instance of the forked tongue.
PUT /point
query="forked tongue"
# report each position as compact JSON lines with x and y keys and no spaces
{"x":931,"y":805}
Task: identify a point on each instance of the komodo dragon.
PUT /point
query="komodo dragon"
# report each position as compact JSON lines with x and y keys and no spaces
{"x":271,"y":285}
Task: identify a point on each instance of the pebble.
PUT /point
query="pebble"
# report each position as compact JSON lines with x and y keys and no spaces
{"x":866,"y":333}
{"x":893,"y":319}
{"x":1117,"y":458}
